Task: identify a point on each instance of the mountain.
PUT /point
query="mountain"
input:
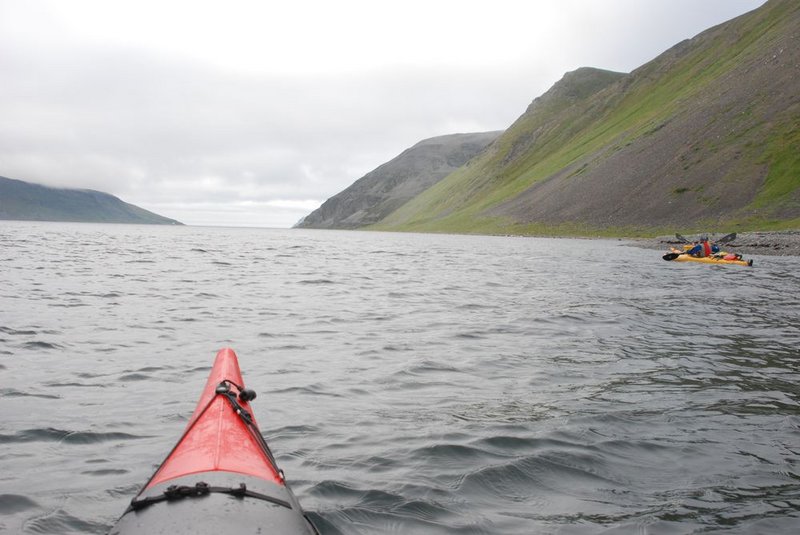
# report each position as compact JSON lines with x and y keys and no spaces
{"x":704,"y":136}
{"x":32,"y":202}
{"x":380,"y":192}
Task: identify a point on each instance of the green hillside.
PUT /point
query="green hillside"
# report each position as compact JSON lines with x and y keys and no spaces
{"x":704,"y":136}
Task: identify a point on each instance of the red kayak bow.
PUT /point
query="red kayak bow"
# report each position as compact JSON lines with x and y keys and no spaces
{"x":216,"y":439}
{"x":221,"y":475}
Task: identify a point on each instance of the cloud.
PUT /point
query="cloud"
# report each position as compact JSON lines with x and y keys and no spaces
{"x":242,"y":116}
{"x":135,"y":125}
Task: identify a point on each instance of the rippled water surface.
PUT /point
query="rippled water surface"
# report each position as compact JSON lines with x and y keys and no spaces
{"x":407,"y":383}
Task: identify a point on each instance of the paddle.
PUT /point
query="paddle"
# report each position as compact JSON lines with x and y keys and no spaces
{"x":671,"y":256}
{"x":724,"y":239}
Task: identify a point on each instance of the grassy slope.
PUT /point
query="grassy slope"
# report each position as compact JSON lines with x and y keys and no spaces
{"x":566,"y":132}
{"x":493,"y":177}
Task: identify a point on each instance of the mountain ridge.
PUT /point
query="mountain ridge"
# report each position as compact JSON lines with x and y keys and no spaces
{"x":387,"y":187}
{"x":704,"y":135}
{"x":657,"y":148}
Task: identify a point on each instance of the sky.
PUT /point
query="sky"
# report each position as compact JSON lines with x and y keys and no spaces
{"x":253,"y":113}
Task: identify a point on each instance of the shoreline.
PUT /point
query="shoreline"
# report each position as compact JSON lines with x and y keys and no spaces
{"x":768,"y":243}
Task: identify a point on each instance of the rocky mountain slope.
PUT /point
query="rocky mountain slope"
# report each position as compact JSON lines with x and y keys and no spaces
{"x":380,"y":192}
{"x":32,"y":202}
{"x":704,"y":136}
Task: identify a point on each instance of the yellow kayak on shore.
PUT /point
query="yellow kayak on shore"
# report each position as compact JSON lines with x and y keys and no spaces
{"x":677,"y":255}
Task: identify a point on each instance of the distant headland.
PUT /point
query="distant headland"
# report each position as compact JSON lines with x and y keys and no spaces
{"x":24,"y":201}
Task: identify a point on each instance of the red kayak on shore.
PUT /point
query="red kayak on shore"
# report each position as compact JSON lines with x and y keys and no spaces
{"x":221,"y":476}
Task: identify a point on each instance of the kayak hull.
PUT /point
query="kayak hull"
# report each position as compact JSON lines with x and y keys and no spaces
{"x":221,"y":476}
{"x":683,"y":257}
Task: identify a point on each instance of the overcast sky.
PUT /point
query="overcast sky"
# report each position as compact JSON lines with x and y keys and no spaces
{"x":252,"y":113}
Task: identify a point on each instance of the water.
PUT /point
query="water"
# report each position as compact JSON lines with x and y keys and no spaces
{"x":407,"y":383}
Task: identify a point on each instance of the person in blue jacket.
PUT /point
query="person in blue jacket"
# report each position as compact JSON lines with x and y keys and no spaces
{"x":703,"y":248}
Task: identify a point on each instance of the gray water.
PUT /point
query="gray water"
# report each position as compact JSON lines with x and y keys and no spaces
{"x":407,"y":383}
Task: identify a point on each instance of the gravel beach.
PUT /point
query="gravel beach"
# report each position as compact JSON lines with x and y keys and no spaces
{"x":783,"y":243}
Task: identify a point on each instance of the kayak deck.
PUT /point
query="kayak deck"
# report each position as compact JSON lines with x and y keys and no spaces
{"x":221,"y":476}
{"x":274,"y":511}
{"x":215,"y":438}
